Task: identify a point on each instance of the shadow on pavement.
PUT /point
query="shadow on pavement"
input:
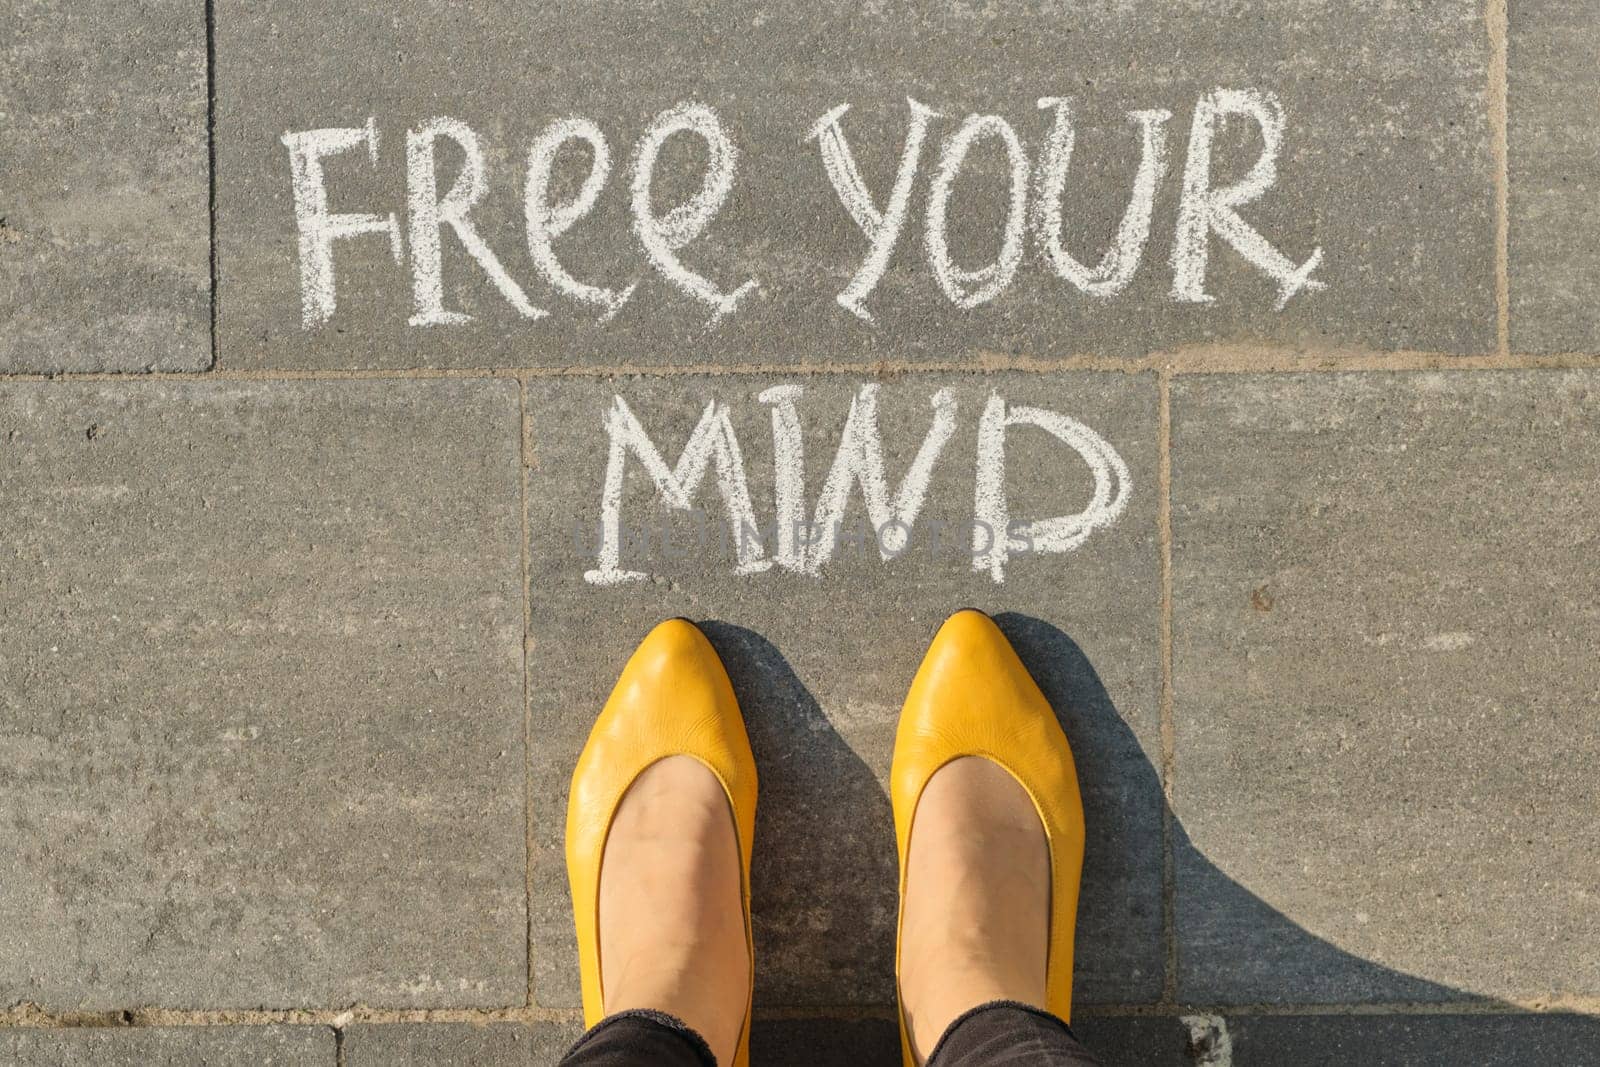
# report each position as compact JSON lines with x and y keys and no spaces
{"x":818,"y":792}
{"x":1111,"y":783}
{"x":815,"y":792}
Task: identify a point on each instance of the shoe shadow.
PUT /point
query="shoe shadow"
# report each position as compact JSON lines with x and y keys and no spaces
{"x":1237,"y":945}
{"x":1118,"y":783}
{"x":817,"y":792}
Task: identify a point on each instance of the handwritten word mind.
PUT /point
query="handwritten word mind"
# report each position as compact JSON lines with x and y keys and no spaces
{"x":805,"y":542}
{"x":1035,"y":192}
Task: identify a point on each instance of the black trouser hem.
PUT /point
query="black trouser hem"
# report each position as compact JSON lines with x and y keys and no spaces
{"x":1009,"y":1032}
{"x":640,"y":1036}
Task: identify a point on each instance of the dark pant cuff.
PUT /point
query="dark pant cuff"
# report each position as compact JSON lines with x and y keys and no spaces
{"x":1010,"y":1032}
{"x":640,"y":1036}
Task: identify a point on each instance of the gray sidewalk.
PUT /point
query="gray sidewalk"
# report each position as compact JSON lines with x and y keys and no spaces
{"x":357,"y":416}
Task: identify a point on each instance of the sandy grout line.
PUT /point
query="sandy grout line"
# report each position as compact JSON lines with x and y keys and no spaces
{"x":1497,"y":20}
{"x":524,"y":445}
{"x":1169,"y":879}
{"x":1554,"y":1005}
{"x":32,"y":1017}
{"x":1182,"y":362}
{"x":29,"y":1016}
{"x":211,"y":170}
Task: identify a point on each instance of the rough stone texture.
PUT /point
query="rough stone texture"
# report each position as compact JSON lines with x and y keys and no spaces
{"x":458,"y":1045}
{"x":1416,"y":1040}
{"x":260,"y":722}
{"x":1133,"y":1041}
{"x":185,"y":1046}
{"x":1385,"y":617}
{"x":821,"y":664}
{"x":104,"y":194}
{"x":1385,"y":166}
{"x":1555,"y":176}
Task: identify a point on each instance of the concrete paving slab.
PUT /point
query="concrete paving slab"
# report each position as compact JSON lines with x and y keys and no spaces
{"x":1133,"y":1041}
{"x":1415,"y":1040}
{"x":457,"y":1044}
{"x":178,"y":1046}
{"x":809,"y":1042}
{"x":1554,"y":95}
{"x":1385,"y":615}
{"x":821,"y":662}
{"x":1383,"y":166}
{"x":1117,"y":1042}
{"x":105,"y":229}
{"x":261,"y":741}
{"x":826,"y":1042}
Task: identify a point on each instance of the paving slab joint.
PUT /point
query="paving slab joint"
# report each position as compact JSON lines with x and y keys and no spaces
{"x":530,"y":840}
{"x":1497,"y":21}
{"x":1225,"y":360}
{"x":211,"y":167}
{"x":1169,"y":890}
{"x":28,"y":1016}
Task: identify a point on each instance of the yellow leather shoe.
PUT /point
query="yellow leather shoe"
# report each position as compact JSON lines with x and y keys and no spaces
{"x":973,"y":697}
{"x":673,"y":699}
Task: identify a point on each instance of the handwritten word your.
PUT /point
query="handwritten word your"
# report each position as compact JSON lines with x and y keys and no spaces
{"x":1034,"y":192}
{"x":806,"y":543}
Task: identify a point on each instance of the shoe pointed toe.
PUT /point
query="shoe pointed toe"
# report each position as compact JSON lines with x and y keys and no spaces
{"x":972,"y":696}
{"x":673,"y":698}
{"x":676,"y":680}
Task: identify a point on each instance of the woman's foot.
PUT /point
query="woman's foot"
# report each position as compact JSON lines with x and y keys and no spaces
{"x":976,"y":917}
{"x":672,"y":934}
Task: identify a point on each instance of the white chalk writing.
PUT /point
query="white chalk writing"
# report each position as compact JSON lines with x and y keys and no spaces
{"x":807,"y":547}
{"x":1035,"y":193}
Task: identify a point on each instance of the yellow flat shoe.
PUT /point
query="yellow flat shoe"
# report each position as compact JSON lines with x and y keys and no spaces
{"x":973,"y":697}
{"x":673,"y":699}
